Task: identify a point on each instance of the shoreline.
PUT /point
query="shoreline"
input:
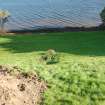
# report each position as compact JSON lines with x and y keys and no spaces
{"x":65,"y":29}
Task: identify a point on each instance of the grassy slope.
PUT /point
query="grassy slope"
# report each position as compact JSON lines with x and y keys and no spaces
{"x":79,"y":78}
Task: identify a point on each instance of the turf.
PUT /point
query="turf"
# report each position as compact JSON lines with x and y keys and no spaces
{"x":79,"y":77}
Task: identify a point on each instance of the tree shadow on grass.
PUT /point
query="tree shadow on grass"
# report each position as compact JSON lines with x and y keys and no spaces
{"x":80,"y":43}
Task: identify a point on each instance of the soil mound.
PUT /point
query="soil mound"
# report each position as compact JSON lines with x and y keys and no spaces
{"x":18,"y":88}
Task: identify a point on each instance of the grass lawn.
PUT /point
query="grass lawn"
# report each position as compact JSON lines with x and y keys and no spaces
{"x":79,"y":77}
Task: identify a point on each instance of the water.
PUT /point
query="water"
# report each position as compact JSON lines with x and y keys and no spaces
{"x":32,"y":14}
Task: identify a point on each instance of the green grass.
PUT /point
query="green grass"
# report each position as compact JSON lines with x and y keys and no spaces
{"x":79,"y":77}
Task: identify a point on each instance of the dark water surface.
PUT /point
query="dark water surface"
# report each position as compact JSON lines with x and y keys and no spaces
{"x":31,"y":14}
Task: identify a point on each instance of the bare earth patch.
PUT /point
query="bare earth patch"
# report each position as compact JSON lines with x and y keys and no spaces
{"x":18,"y":88}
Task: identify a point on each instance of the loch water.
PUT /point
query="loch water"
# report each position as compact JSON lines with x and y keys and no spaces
{"x":33,"y":14}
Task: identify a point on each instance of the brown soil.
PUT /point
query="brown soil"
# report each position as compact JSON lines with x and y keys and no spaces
{"x":7,"y":34}
{"x":18,"y":88}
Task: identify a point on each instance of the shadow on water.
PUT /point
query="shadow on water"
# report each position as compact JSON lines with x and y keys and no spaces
{"x":80,"y":43}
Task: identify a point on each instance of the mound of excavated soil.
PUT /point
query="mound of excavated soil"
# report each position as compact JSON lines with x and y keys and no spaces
{"x":18,"y":88}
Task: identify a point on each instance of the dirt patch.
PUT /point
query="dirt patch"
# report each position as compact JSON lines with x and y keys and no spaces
{"x":18,"y":88}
